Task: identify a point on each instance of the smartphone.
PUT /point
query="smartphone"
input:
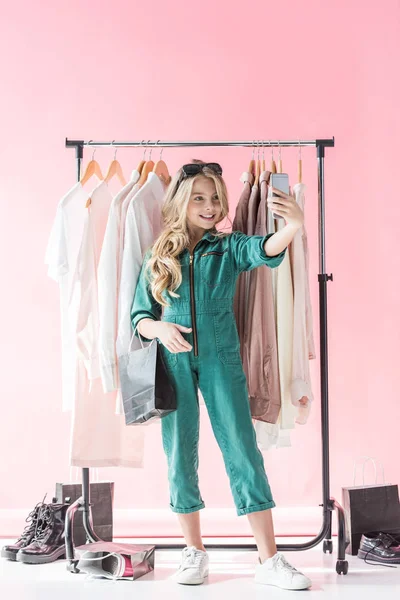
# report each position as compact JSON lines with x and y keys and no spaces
{"x":280,"y":181}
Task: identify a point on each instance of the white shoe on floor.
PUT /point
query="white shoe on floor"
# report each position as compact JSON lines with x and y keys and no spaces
{"x":193,"y":568}
{"x":279,"y":572}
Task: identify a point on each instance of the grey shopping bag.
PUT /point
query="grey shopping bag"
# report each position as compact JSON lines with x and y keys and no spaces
{"x":103,"y":559}
{"x":147,"y":392}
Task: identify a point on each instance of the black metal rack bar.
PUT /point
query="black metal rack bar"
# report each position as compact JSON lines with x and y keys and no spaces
{"x":329,"y":504}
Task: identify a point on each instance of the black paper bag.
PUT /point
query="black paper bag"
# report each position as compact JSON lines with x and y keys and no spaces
{"x":369,"y":508}
{"x":101,"y":499}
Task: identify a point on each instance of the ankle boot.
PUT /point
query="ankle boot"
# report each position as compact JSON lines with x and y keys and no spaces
{"x":26,"y":537}
{"x":49,"y":541}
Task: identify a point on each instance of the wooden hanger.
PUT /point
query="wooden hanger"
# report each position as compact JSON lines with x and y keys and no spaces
{"x":148,"y":167}
{"x":263,"y":161}
{"x":273,"y":163}
{"x":252,"y":165}
{"x":92,"y":168}
{"x":258,"y":169}
{"x":280,"y":161}
{"x":115,"y":169}
{"x":142,"y":162}
{"x":141,"y":165}
{"x":300,"y":167}
{"x":161,"y":169}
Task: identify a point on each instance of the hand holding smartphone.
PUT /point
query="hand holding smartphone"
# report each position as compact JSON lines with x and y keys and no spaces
{"x":280,"y":181}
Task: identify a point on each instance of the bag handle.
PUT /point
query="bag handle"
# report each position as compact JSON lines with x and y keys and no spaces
{"x":98,"y":558}
{"x":374,"y":461}
{"x":140,"y":338}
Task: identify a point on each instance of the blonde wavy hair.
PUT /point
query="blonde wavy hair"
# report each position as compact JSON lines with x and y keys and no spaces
{"x":163,"y":266}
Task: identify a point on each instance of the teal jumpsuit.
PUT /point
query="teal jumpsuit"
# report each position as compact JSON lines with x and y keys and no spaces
{"x":214,"y":365}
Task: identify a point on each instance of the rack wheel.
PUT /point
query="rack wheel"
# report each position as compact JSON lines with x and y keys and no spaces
{"x":327,"y":547}
{"x":342,"y":567}
{"x":72,"y":566}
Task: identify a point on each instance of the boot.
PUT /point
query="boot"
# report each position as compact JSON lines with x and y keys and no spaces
{"x":49,"y":541}
{"x":27,"y":535}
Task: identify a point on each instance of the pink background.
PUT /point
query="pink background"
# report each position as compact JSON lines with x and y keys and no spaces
{"x":221,"y":70}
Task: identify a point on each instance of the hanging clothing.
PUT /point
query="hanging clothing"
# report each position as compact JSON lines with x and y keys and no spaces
{"x":124,"y":210}
{"x":142,"y":226}
{"x":284,"y":322}
{"x":216,"y":368}
{"x":270,"y":435}
{"x":260,"y":339}
{"x":85,"y":279}
{"x":100,"y":438}
{"x":252,"y":210}
{"x":61,"y":256}
{"x":108,"y":286}
{"x":303,"y":340}
{"x":240,"y":224}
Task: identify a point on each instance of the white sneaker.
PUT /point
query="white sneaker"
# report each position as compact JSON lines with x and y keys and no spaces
{"x":277,"y":571}
{"x":193,"y":568}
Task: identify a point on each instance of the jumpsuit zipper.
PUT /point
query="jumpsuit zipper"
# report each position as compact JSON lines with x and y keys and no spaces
{"x":192,"y":306}
{"x":214,"y":252}
{"x":192,"y":298}
{"x":193,"y":303}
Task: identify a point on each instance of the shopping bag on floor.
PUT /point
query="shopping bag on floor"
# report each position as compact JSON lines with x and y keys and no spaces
{"x":114,"y":560}
{"x":101,"y":500}
{"x":147,"y":393}
{"x":369,"y":508}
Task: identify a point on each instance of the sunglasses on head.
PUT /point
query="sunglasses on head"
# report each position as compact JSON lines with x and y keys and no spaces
{"x":196,"y":168}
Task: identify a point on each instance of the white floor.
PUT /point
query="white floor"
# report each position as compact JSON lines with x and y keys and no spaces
{"x":231,"y":574}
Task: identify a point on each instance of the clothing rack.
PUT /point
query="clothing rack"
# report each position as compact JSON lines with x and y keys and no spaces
{"x":329,"y":504}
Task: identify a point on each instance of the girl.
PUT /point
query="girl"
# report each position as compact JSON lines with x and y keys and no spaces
{"x":184,"y":298}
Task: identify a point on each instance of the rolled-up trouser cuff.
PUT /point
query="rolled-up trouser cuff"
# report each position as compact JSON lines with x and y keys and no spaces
{"x":187,"y":510}
{"x":255,"y":508}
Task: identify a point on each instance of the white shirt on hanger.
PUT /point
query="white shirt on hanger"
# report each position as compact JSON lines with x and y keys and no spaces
{"x":61,"y":257}
{"x":142,"y":225}
{"x":99,"y":437}
{"x":108,"y":275}
{"x":85,"y":279}
{"x":303,"y":339}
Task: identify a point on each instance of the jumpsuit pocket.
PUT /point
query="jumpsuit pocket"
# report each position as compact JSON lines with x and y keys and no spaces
{"x":215,"y":267}
{"x":227,"y":339}
{"x":170,"y":358}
